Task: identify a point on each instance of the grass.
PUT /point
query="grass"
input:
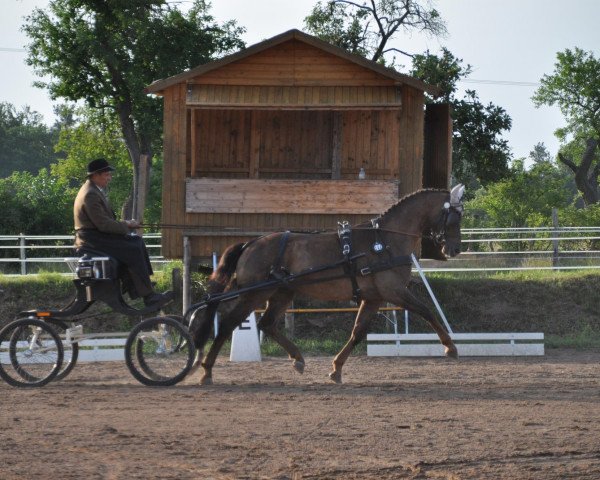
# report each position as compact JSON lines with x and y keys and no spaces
{"x":562,"y":304}
{"x":586,"y":339}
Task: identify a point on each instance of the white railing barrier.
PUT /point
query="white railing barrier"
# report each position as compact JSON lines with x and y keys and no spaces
{"x":468,"y":344}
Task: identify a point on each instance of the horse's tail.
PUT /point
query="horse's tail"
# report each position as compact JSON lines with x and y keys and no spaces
{"x":220,"y":278}
{"x":203,"y":320}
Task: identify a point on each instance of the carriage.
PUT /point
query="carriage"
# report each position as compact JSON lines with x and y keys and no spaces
{"x":42,"y":345}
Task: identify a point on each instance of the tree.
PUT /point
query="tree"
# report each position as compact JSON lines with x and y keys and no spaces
{"x":93,"y":134}
{"x":106,"y":52}
{"x":524,"y":199}
{"x":27,"y":143}
{"x":367,"y":28}
{"x":479,"y":154}
{"x":36,"y":204}
{"x":575,"y":87}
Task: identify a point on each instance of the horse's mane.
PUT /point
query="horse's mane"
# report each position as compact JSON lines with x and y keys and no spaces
{"x":411,"y":196}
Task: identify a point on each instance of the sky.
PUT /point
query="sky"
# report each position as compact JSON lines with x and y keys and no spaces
{"x":510,"y":44}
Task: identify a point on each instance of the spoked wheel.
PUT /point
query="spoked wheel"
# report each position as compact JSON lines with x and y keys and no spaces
{"x":31,"y":353}
{"x":159,"y":351}
{"x":70,"y":349}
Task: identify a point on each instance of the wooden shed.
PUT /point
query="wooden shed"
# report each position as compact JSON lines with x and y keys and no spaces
{"x":275,"y":136}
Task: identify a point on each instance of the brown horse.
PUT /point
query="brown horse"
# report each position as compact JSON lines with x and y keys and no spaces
{"x":370,"y":263}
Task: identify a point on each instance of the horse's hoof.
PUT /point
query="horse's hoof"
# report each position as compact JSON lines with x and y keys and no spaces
{"x":336,"y":377}
{"x":298,"y":366}
{"x":206,"y":381}
{"x":452,"y":353}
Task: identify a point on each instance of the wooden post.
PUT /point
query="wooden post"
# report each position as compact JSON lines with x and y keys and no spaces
{"x":187,"y":281}
{"x":336,"y":147}
{"x":437,"y":154}
{"x":23,"y":254}
{"x":289,"y":322}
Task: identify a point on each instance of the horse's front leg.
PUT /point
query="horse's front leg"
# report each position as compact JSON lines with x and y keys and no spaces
{"x":366,"y":312}
{"x":411,"y":303}
{"x":268,"y":324}
{"x":228,"y":322}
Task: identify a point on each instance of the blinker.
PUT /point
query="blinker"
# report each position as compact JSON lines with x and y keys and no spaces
{"x":446,"y":205}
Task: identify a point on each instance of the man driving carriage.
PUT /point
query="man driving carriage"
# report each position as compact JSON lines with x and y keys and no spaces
{"x":99,"y":232}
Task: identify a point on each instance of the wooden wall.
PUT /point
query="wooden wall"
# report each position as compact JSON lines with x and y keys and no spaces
{"x":290,"y":112}
{"x":438,"y":146}
{"x":298,"y":144}
{"x":294,"y":63}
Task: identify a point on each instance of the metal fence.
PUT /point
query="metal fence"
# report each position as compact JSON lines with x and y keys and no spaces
{"x":25,"y":254}
{"x":484,"y":249}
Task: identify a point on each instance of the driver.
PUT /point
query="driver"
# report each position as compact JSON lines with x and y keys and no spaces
{"x":97,"y":228}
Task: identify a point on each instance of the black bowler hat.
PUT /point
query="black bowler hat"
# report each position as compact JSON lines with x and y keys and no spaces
{"x":98,"y":166}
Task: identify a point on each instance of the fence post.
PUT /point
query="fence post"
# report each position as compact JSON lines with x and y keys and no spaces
{"x":22,"y":254}
{"x":289,"y":322}
{"x":555,"y":235}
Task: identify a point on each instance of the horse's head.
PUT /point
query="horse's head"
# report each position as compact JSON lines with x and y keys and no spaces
{"x":446,"y":234}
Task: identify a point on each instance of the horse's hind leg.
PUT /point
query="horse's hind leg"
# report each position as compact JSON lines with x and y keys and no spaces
{"x":366,"y":312}
{"x":411,"y":303}
{"x":268,"y":323}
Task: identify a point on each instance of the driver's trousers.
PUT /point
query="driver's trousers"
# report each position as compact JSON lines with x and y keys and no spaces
{"x":129,"y":250}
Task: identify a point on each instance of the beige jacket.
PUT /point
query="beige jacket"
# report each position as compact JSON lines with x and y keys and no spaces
{"x":92,"y":211}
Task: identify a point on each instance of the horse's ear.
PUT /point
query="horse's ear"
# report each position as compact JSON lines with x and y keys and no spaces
{"x":457,"y":193}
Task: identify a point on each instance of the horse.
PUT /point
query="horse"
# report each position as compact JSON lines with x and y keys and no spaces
{"x":369,"y":262}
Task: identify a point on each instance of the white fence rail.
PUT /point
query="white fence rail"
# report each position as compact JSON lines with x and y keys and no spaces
{"x":23,"y":250}
{"x":493,"y":249}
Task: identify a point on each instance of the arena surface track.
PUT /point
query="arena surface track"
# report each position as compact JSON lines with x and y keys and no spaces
{"x":476,"y":418}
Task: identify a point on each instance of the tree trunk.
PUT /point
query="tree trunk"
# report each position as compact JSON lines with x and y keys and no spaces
{"x":136,"y":148}
{"x":586,"y":180}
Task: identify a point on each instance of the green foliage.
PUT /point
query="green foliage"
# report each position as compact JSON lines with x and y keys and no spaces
{"x":443,"y":71}
{"x":106,"y":53}
{"x":26,"y":141}
{"x":92,"y":135}
{"x":575,"y":88}
{"x":525,"y":198}
{"x":479,"y":154}
{"x":36,"y":205}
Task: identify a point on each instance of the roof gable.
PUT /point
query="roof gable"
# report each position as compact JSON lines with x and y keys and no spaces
{"x":335,"y":63}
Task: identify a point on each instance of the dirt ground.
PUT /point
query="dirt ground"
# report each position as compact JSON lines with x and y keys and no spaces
{"x":393,"y":418}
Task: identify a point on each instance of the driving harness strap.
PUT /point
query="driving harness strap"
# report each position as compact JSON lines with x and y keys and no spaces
{"x":277,"y":270}
{"x":345,"y":236}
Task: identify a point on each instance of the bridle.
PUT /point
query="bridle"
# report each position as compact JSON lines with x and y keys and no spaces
{"x":437,"y":234}
{"x":449,"y":213}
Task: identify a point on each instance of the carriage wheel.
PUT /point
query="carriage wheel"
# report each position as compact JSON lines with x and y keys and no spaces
{"x":70,"y":349}
{"x":31,"y":353}
{"x":159,"y":351}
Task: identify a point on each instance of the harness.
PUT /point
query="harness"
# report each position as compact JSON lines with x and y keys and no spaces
{"x":345,"y":237}
{"x":280,"y":274}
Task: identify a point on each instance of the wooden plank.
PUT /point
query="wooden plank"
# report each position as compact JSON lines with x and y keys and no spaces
{"x":289,"y":96}
{"x":211,"y":195}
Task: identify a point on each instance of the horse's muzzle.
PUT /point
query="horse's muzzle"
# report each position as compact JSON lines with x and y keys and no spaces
{"x":451,"y":250}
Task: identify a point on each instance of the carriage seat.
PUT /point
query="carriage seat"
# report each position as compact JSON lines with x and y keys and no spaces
{"x":94,"y":264}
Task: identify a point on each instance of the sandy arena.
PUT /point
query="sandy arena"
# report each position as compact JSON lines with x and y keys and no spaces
{"x":478,"y":418}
